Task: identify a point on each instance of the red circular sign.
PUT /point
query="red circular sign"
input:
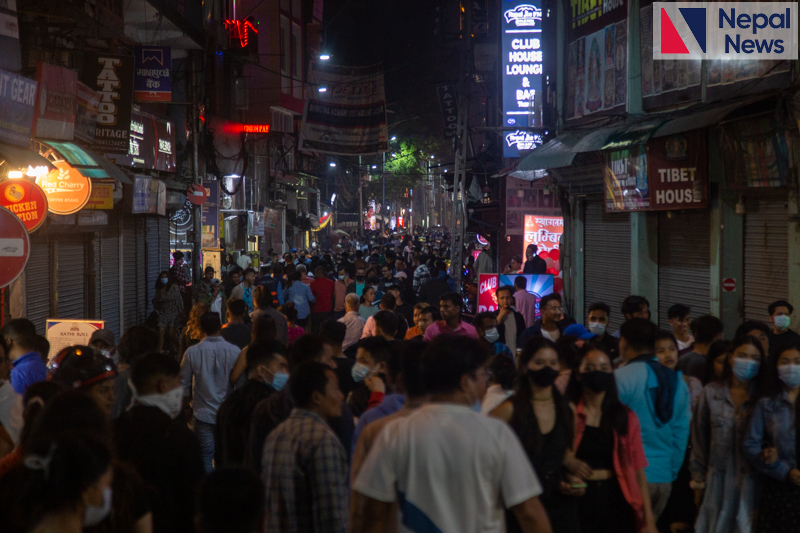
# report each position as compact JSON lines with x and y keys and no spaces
{"x":729,"y":284}
{"x":15,"y":247}
{"x":197,"y":194}
{"x":26,"y":200}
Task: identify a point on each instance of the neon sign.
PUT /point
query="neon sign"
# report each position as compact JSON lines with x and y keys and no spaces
{"x":242,"y":34}
{"x":255,"y":128}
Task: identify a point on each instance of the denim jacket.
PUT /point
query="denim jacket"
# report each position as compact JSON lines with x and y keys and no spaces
{"x":772,"y":424}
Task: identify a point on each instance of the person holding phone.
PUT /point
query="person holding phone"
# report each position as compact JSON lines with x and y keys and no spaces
{"x":770,"y":443}
{"x":543,"y":420}
{"x":608,"y":439}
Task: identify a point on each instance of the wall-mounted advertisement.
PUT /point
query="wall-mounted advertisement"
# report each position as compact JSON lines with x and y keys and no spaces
{"x":597,"y":58}
{"x":544,"y":232}
{"x":539,"y":285}
{"x":523,"y":65}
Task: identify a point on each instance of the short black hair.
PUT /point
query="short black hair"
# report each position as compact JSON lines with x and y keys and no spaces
{"x":306,"y":348}
{"x":780,"y":303}
{"x":249,"y":270}
{"x":389,"y":301}
{"x":520,"y":282}
{"x":262,"y":353}
{"x":378,"y":348}
{"x":508,"y":288}
{"x":600,"y":306}
{"x":147,"y":368}
{"x":452,"y":297}
{"x":481,"y":318}
{"x":17,"y":327}
{"x":333,"y":332}
{"x":231,"y":500}
{"x":388,"y":321}
{"x":504,"y":373}
{"x":705,"y":328}
{"x":639,"y":334}
{"x":749,"y":325}
{"x":678,"y":311}
{"x":277,"y":269}
{"x":238,"y":307}
{"x":210,"y":323}
{"x":633,"y":304}
{"x":448,"y":358}
{"x":549,"y":298}
{"x":136,"y":341}
{"x":305,"y":380}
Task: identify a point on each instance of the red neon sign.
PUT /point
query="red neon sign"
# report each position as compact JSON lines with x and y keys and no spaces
{"x":243,"y":31}
{"x":255,"y":128}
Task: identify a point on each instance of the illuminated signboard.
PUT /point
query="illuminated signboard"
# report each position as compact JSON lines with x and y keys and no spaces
{"x":522,"y":74}
{"x":242,"y":34}
{"x":256,"y":128}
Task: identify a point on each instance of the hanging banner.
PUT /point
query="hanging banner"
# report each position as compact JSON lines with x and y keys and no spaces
{"x":112,"y":77}
{"x":539,"y":285}
{"x":26,"y":200}
{"x":345,"y":110}
{"x":55,"y":106}
{"x":448,"y":103}
{"x":625,"y":178}
{"x":17,"y":102}
{"x":597,"y":58}
{"x":67,"y":190}
{"x":153,"y":74}
{"x":87,"y":102}
{"x":210,"y":213}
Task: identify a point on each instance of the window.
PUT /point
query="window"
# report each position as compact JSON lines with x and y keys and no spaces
{"x":286,"y":57}
{"x":282,"y":121}
{"x":297,"y":67}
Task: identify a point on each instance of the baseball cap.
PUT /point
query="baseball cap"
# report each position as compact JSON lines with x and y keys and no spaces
{"x":215,"y":281}
{"x":579,"y":331}
{"x":104,"y":335}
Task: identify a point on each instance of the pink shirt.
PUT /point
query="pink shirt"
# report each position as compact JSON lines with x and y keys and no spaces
{"x":526,"y":306}
{"x":440,"y":327}
{"x":369,"y":328}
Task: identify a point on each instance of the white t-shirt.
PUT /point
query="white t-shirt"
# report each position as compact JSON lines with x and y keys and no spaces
{"x":451,"y":467}
{"x":683,"y":345}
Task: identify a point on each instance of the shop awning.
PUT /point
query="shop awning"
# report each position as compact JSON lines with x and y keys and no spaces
{"x":702,"y":117}
{"x":18,"y":157}
{"x":89,"y":163}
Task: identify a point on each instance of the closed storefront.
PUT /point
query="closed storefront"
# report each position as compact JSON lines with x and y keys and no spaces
{"x":766,"y":253}
{"x":38,"y":281}
{"x":133,"y":271}
{"x":684,"y":262}
{"x":71,"y":283}
{"x":607,"y":259}
{"x":109,"y":292}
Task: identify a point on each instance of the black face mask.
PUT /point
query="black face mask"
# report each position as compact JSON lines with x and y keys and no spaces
{"x":544,"y":377}
{"x":597,"y":381}
{"x":359,"y":279}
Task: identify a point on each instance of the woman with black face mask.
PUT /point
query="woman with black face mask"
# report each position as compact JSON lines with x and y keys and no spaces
{"x":609,"y":441}
{"x":543,"y":420}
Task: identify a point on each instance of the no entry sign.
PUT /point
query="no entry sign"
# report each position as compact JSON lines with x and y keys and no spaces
{"x":15,"y":247}
{"x":26,"y":200}
{"x":729,"y":285}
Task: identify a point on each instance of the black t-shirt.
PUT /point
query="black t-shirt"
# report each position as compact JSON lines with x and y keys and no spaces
{"x":344,"y":369}
{"x":778,"y":343}
{"x":407,"y":312}
{"x":238,"y":334}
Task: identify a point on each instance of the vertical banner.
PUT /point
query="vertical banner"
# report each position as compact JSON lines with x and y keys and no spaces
{"x":55,"y":106}
{"x":625,"y":180}
{"x":112,"y":77}
{"x":153,"y":74}
{"x":210,"y":210}
{"x":17,"y":101}
{"x":448,"y":103}
{"x":87,"y":102}
{"x":345,"y":110}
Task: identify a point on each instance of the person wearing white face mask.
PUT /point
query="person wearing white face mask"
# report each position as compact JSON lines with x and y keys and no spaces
{"x":770,"y":443}
{"x":267,"y":373}
{"x":781,"y":336}
{"x":67,"y":484}
{"x":486,"y":326}
{"x":597,"y":323}
{"x":153,"y":436}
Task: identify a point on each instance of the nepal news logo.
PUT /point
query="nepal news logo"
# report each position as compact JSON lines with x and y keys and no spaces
{"x":725,"y":30}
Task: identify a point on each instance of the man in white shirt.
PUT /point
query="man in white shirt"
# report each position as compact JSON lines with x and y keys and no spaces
{"x":449,"y":468}
{"x":351,"y":319}
{"x":244,"y":261}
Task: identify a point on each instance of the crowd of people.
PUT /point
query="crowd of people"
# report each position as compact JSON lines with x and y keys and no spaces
{"x":345,"y":391}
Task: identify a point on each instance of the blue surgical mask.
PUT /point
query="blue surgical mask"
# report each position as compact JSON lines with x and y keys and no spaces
{"x":782,"y":322}
{"x":790,"y":375}
{"x":359,"y":372}
{"x":598,"y":328}
{"x":341,"y":278}
{"x":745,"y":369}
{"x":164,"y":281}
{"x":279,"y":379}
{"x":492,"y":335}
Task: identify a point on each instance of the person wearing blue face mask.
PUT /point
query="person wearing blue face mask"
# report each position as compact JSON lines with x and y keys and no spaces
{"x":770,"y":444}
{"x":781,"y":336}
{"x":724,"y":481}
{"x":267,"y":372}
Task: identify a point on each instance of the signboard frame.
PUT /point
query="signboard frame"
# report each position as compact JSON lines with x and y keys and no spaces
{"x":77,"y":328}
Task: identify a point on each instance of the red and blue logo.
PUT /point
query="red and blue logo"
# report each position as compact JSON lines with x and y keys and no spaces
{"x":671,"y":40}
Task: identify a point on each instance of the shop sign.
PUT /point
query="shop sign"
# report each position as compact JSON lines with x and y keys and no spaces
{"x":63,"y":333}
{"x":102,"y":197}
{"x":539,"y":285}
{"x":149,"y":196}
{"x":545,"y":232}
{"x":181,"y":220}
{"x":597,"y":57}
{"x":15,"y":247}
{"x":210,"y":213}
{"x":523,"y":67}
{"x":669,"y":173}
{"x":55,"y":106}
{"x":153,"y":74}
{"x":270,"y":218}
{"x":87,"y":102}
{"x":67,"y":190}
{"x":26,"y":200}
{"x":112,"y":77}
{"x":17,"y":100}
{"x":449,"y":107}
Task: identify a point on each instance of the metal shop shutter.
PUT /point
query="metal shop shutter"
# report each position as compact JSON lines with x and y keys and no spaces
{"x":163,"y":242}
{"x":766,"y":255}
{"x":133,"y":272}
{"x":71,"y":296}
{"x":110,"y":276}
{"x":153,"y":259}
{"x":684,"y":262}
{"x":607,"y":259}
{"x":37,"y":285}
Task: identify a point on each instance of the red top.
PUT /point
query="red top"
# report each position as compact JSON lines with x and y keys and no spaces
{"x":322,"y":289}
{"x":628,"y":458}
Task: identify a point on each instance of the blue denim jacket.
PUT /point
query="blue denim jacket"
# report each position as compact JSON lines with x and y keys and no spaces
{"x":772,"y":425}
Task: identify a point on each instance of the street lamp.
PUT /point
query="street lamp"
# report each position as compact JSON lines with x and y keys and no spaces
{"x":323,"y":89}
{"x":324,"y":57}
{"x":394,"y":138}
{"x":332,"y":164}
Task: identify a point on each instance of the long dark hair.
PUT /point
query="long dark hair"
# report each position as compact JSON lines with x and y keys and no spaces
{"x":716,"y":349}
{"x":614,"y":412}
{"x":773,"y":386}
{"x":727,"y":369}
{"x":169,"y":285}
{"x":524,"y":420}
